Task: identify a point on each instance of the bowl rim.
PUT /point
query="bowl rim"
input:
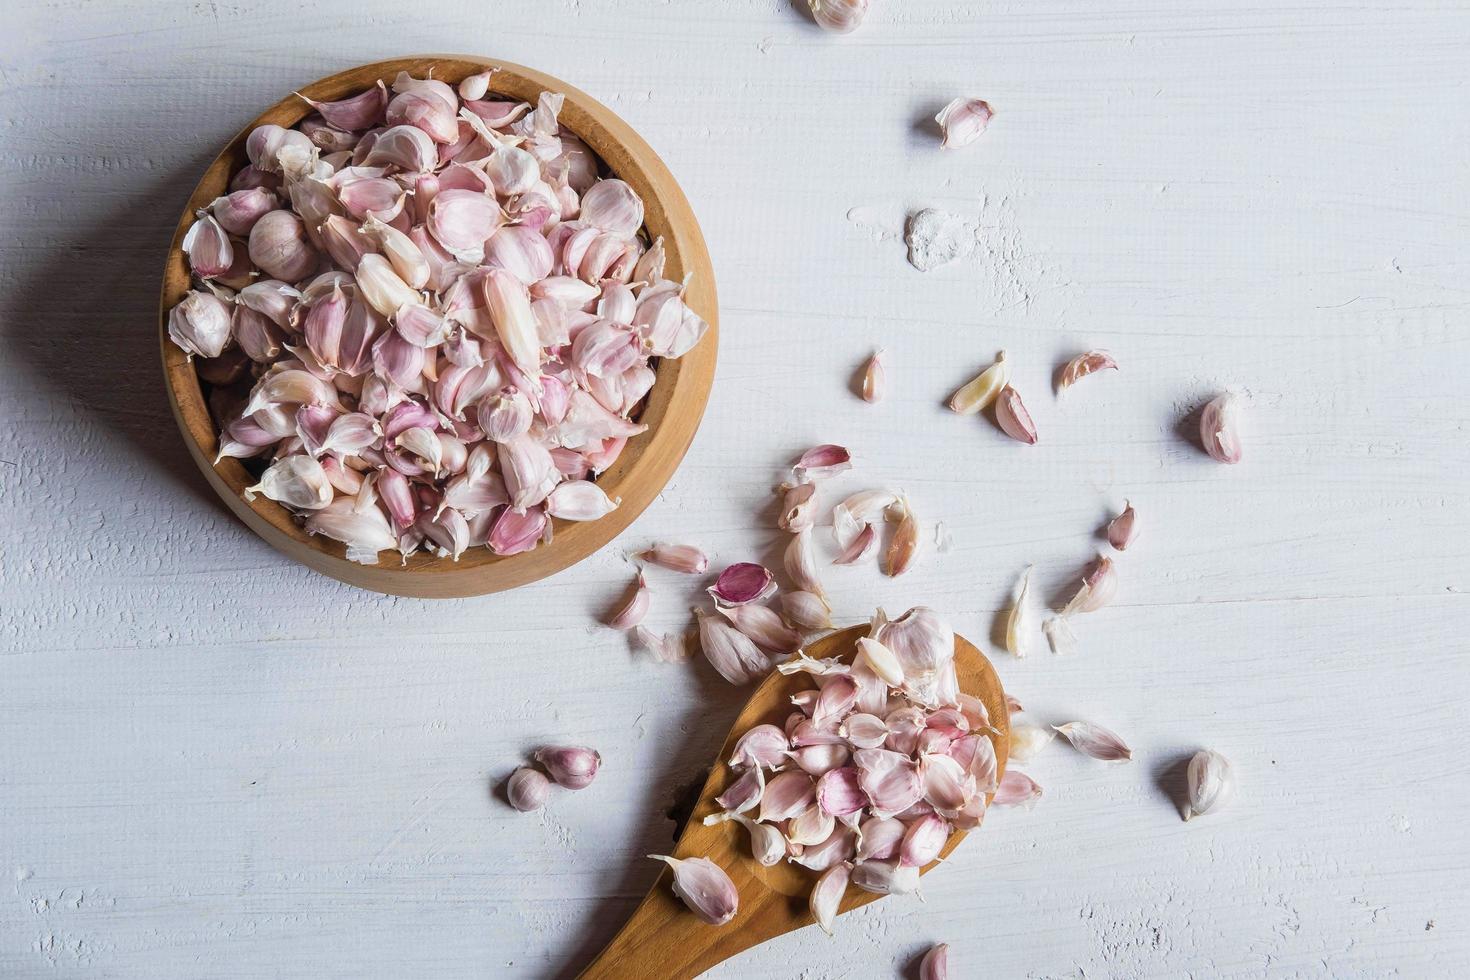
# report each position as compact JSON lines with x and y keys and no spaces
{"x":674,"y":407}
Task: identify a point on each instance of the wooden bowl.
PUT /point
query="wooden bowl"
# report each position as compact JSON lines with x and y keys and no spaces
{"x":672,"y":410}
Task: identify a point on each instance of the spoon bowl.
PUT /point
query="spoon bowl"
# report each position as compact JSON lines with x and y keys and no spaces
{"x":665,"y":935}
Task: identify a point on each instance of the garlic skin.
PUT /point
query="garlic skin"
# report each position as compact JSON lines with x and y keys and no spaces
{"x":1012,"y":417}
{"x":875,"y":380}
{"x":935,"y":964}
{"x":528,"y":789}
{"x":704,"y":887}
{"x":1211,"y":780}
{"x":801,"y":563}
{"x":1219,"y":428}
{"x":573,"y":766}
{"x":963,"y":121}
{"x":1028,"y":739}
{"x":1095,"y":741}
{"x":979,"y":393}
{"x":1082,"y":365}
{"x":1123,"y":529}
{"x":1059,"y":635}
{"x":839,"y":16}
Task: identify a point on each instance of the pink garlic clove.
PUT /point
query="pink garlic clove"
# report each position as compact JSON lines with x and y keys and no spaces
{"x":839,"y":792}
{"x":963,"y":121}
{"x":935,"y":964}
{"x":881,"y":838}
{"x":1012,"y":417}
{"x":822,"y":461}
{"x":764,"y":626}
{"x":787,"y":794}
{"x":904,"y":547}
{"x":798,"y":506}
{"x":528,"y":789}
{"x":827,"y":895}
{"x":859,"y":548}
{"x":571,"y":766}
{"x":209,"y":249}
{"x":1082,"y":365}
{"x":764,"y":746}
{"x":742,"y":583}
{"x":1015,"y":789}
{"x":734,"y":656}
{"x":634,"y":608}
{"x":744,"y":793}
{"x":1220,"y":429}
{"x":704,"y":887}
{"x":1123,"y":529}
{"x":361,"y":111}
{"x":923,"y":840}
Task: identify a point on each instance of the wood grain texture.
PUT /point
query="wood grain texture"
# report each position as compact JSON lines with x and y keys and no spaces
{"x":216,"y":763}
{"x":774,"y":900}
{"x":671,"y":411}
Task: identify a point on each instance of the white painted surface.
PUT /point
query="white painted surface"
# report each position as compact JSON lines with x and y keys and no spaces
{"x":214,"y":763}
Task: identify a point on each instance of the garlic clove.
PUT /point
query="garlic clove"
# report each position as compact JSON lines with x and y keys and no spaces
{"x":365,"y":533}
{"x":801,"y":563}
{"x":1028,"y":739}
{"x":880,"y":838}
{"x":380,"y":287}
{"x":904,"y":547}
{"x":279,"y":247}
{"x":1020,"y":622}
{"x":200,"y":324}
{"x":763,"y":625}
{"x":571,"y":766}
{"x":612,"y":206}
{"x":734,"y":656}
{"x":924,"y":645}
{"x":677,"y":557}
{"x":1016,"y":789}
{"x":741,"y":583}
{"x":823,"y":461}
{"x":811,"y":826}
{"x":886,"y":877}
{"x":632,"y":611}
{"x":875,"y":382}
{"x":839,"y":792}
{"x":1012,"y":417}
{"x":1013,"y":704}
{"x":1099,"y":585}
{"x":923,"y":840}
{"x":744,"y":793}
{"x":475,"y":86}
{"x":764,"y":746}
{"x":209,"y":249}
{"x":1211,"y":781}
{"x":1219,"y":428}
{"x":890,"y":779}
{"x":963,"y":121}
{"x":798,"y":506}
{"x":1084,"y":364}
{"x":827,"y":895}
{"x":296,"y":481}
{"x":979,"y":393}
{"x":704,"y":887}
{"x":579,"y":500}
{"x":864,"y":731}
{"x":880,"y":660}
{"x":361,"y":111}
{"x":839,"y":16}
{"x":935,"y":964}
{"x":807,"y":611}
{"x":787,"y":794}
{"x":528,"y":789}
{"x":1123,"y":529}
{"x":1095,"y":741}
{"x":857,"y":512}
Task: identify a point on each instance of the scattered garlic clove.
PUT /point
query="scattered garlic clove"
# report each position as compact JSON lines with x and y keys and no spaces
{"x":763,"y":625}
{"x":1020,"y":622}
{"x":634,"y":608}
{"x":571,"y":766}
{"x":808,"y":611}
{"x":1095,"y":741}
{"x":1082,"y":365}
{"x":801,"y":563}
{"x":732,"y":654}
{"x":1219,"y":428}
{"x":1123,"y":529}
{"x":1028,"y":739}
{"x":704,"y":887}
{"x":904,"y":547}
{"x":677,"y":557}
{"x":798,"y":505}
{"x":979,"y":393}
{"x":823,"y":461}
{"x":1012,"y":417}
{"x":875,"y":384}
{"x":935,"y":964}
{"x":528,"y":789}
{"x":1099,"y":585}
{"x":1211,"y":780}
{"x":1016,"y":789}
{"x":741,"y":583}
{"x":827,"y":895}
{"x":857,"y":512}
{"x":963,"y":121}
{"x":839,"y":16}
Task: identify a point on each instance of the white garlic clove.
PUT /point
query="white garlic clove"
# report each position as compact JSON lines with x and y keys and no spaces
{"x":1020,"y":621}
{"x":1211,"y":781}
{"x":827,"y":895}
{"x":886,"y":877}
{"x":801,"y":563}
{"x":979,"y":393}
{"x":963,"y":121}
{"x":704,"y":887}
{"x":1220,"y":429}
{"x":1028,"y":739}
{"x":806,"y":611}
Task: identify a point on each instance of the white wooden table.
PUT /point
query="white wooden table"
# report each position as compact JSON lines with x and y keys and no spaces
{"x":214,"y":763}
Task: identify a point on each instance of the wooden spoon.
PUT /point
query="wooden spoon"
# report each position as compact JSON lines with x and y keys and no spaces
{"x":665,"y":939}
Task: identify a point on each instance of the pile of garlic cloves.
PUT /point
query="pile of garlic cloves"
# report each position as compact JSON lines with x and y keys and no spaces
{"x":873,"y":769}
{"x":430,"y":317}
